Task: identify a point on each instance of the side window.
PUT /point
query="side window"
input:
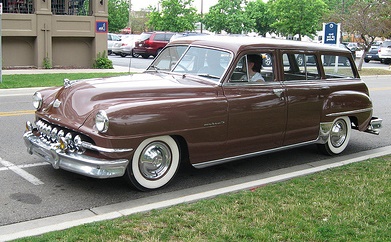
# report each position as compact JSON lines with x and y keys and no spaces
{"x":159,"y":37}
{"x":300,"y":67}
{"x":337,"y":66}
{"x":253,"y":68}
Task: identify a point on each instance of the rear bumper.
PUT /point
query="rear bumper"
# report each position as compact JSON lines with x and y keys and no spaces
{"x":74,"y":162}
{"x":374,"y":126}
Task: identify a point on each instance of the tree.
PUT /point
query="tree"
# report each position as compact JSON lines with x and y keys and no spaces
{"x":302,"y":17}
{"x":228,"y":16}
{"x":367,"y":18}
{"x":118,"y":14}
{"x":175,"y":16}
{"x":263,"y":18}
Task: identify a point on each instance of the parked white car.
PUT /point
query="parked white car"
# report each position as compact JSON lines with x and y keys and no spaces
{"x":385,"y":52}
{"x":111,"y":40}
{"x":128,"y":45}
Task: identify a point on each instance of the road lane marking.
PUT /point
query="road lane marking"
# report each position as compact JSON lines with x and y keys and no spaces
{"x":24,"y":174}
{"x":16,"y":113}
{"x":380,"y":89}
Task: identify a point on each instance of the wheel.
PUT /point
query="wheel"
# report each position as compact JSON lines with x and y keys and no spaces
{"x":366,"y":60}
{"x":267,"y":61}
{"x":123,"y":55}
{"x":154,"y":163}
{"x":145,"y":56}
{"x":300,"y":60}
{"x":339,"y":137}
{"x":134,"y":54}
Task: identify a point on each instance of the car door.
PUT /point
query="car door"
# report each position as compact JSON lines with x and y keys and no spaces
{"x":305,"y":93}
{"x":256,"y":111}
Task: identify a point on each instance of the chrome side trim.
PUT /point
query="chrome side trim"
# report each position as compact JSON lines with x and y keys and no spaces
{"x":102,"y":149}
{"x":349,"y":112}
{"x":229,"y":159}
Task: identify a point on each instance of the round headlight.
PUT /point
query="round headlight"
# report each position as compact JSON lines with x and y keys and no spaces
{"x":37,"y":100}
{"x":101,"y":121}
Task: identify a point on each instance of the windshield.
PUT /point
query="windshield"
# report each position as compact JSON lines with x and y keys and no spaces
{"x":200,"y":61}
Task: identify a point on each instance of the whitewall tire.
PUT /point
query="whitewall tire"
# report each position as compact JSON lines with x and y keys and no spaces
{"x":338,"y":138}
{"x":154,"y":163}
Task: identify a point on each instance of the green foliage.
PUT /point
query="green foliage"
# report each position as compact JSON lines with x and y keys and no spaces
{"x":175,"y":16}
{"x":228,"y":16}
{"x":260,"y":13}
{"x":47,"y":63}
{"x":102,"y":62}
{"x":300,"y":17}
{"x":118,"y":14}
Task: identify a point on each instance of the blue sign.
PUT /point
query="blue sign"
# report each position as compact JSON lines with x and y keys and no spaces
{"x":330,"y":33}
{"x":101,"y":27}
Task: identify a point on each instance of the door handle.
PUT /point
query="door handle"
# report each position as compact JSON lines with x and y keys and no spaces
{"x":278,"y":92}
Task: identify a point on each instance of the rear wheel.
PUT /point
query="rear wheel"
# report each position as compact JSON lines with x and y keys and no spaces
{"x":154,"y":163}
{"x":338,"y":138}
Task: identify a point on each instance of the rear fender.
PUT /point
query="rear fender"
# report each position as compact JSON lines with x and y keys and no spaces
{"x":356,"y":105}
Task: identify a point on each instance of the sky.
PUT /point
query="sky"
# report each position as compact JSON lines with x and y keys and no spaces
{"x":139,"y":4}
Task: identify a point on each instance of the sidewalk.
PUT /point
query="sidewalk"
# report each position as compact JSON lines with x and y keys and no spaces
{"x":47,"y":71}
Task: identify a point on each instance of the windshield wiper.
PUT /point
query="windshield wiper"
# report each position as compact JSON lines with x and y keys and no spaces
{"x":155,"y":68}
{"x":209,"y":75}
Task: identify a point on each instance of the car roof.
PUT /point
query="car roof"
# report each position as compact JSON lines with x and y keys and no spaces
{"x":236,"y":43}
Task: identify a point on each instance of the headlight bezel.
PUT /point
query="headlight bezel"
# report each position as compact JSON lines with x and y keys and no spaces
{"x":102,"y":121}
{"x":37,"y":100}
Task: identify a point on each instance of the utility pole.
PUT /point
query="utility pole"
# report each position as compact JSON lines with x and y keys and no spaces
{"x":130,"y":16}
{"x":202,"y":12}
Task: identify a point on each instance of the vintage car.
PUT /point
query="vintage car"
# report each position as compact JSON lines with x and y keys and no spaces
{"x":197,"y":102}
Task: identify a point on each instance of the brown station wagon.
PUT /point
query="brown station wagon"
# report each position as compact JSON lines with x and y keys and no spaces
{"x":205,"y":101}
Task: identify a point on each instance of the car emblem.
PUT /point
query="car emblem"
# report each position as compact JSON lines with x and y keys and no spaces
{"x":57,"y":103}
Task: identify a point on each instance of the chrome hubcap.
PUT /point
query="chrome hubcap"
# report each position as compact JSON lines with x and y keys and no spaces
{"x":155,"y":160}
{"x":338,"y":133}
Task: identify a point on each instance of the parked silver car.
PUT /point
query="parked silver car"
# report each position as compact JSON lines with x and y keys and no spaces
{"x":111,"y":39}
{"x":128,"y":45}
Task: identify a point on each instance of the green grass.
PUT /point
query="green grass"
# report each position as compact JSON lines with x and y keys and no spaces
{"x":47,"y":80}
{"x":349,"y":203}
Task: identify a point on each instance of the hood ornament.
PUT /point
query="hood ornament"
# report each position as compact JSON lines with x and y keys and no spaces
{"x":68,"y":83}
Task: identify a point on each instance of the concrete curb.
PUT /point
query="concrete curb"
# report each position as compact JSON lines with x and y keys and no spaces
{"x":61,"y":222}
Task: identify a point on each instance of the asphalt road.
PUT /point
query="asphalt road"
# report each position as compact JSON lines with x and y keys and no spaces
{"x":32,"y":189}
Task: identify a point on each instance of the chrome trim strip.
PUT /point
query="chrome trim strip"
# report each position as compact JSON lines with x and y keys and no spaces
{"x":102,"y":149}
{"x":349,"y":112}
{"x":229,"y":159}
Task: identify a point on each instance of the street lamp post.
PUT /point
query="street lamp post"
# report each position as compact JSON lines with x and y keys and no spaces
{"x":130,"y":16}
{"x":202,"y":11}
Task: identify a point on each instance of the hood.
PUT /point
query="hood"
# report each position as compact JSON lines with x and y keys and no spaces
{"x":73,"y":104}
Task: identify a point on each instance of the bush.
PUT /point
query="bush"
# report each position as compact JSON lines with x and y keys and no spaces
{"x":102,"y":62}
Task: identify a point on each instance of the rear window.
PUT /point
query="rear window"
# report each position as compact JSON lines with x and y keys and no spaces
{"x":159,"y":37}
{"x":144,"y":36}
{"x":337,"y":67}
{"x":386,"y":44}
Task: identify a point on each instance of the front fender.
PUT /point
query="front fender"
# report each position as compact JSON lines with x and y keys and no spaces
{"x":354,"y":104}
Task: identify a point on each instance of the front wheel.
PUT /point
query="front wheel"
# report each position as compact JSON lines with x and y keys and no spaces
{"x":154,"y":163}
{"x":338,"y":138}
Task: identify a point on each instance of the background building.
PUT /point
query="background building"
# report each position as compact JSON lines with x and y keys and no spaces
{"x":59,"y":33}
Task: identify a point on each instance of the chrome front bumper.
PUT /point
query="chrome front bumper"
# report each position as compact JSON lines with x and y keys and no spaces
{"x":74,"y":162}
